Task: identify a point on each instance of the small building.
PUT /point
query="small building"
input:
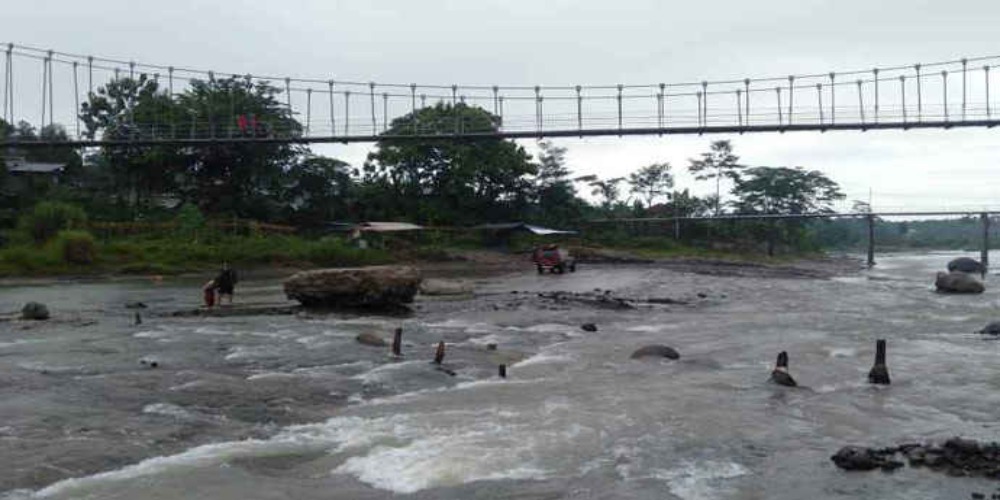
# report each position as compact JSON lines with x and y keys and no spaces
{"x":24,"y":174}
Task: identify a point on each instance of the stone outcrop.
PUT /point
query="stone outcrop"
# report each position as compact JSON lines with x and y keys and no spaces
{"x":966,"y":265}
{"x":655,"y":351}
{"x":35,"y":310}
{"x":376,"y":286}
{"x":958,"y":282}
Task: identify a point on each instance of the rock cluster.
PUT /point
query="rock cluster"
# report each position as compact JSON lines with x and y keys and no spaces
{"x":956,"y":457}
{"x":376,"y":286}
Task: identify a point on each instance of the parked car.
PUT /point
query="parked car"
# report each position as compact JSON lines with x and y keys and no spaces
{"x":554,"y":259}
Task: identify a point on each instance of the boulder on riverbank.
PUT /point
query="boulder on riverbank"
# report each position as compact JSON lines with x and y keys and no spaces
{"x":375,"y":286}
{"x":35,"y":311}
{"x":958,"y":282}
{"x":966,"y":265}
{"x":655,"y":351}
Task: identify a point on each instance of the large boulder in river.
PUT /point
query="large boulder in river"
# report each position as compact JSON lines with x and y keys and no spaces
{"x":966,"y":265}
{"x":958,"y":282}
{"x":991,"y":329}
{"x":35,"y":310}
{"x":375,"y":286}
{"x":655,"y":351}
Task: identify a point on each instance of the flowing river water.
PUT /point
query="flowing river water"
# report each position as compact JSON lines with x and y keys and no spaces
{"x":293,"y":407}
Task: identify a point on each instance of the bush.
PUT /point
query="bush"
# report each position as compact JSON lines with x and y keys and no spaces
{"x":75,"y":247}
{"x":190,"y":221}
{"x":50,"y":217}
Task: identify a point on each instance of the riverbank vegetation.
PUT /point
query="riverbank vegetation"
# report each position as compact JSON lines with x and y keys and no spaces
{"x":167,"y":207}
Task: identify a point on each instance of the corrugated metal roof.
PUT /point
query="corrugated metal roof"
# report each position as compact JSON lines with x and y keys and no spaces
{"x":20,"y":165}
{"x":385,"y":227}
{"x":511,"y":226}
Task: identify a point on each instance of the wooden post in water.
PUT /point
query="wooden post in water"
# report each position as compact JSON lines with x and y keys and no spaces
{"x":397,"y":342}
{"x":439,"y":355}
{"x":871,"y":240}
{"x":984,"y":254}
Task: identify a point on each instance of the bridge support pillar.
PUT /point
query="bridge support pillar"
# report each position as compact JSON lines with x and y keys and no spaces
{"x":871,"y":240}
{"x":984,"y":253}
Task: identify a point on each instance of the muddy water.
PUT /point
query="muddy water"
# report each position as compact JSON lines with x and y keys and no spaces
{"x":292,"y":407}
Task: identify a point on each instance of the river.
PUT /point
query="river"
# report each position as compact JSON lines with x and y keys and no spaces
{"x":292,"y":407}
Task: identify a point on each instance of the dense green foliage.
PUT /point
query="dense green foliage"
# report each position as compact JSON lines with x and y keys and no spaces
{"x":48,"y":218}
{"x":76,"y":247}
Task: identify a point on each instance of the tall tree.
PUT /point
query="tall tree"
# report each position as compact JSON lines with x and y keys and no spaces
{"x":555,"y":194}
{"x":606,"y":189}
{"x":717,"y":163}
{"x":783,"y":190}
{"x":244,"y":179}
{"x":651,"y":182}
{"x":318,"y":189}
{"x":133,"y":109}
{"x":449,"y":181}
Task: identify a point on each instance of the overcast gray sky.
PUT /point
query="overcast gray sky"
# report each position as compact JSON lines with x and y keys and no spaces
{"x":581,"y":41}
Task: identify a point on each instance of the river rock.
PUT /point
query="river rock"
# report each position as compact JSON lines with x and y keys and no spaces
{"x":655,"y":351}
{"x":135,"y":304}
{"x":588,"y":327}
{"x":991,"y":329}
{"x":966,"y":265}
{"x":859,"y":458}
{"x":375,"y":286}
{"x":35,"y":311}
{"x":372,"y":339}
{"x":958,"y":282}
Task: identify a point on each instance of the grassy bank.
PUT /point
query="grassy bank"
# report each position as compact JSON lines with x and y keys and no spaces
{"x":174,"y":253}
{"x":170,"y":255}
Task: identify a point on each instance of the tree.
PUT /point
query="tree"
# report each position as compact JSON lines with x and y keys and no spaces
{"x":651,"y":182}
{"x":554,"y":194}
{"x":448,"y":181}
{"x":718,"y":163}
{"x":684,"y":204}
{"x":243,"y":179}
{"x":783,"y":190}
{"x":607,"y":189}
{"x":318,"y":190}
{"x":129,"y":109}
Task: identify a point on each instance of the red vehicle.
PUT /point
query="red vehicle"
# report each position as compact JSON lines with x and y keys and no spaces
{"x":552,"y":258}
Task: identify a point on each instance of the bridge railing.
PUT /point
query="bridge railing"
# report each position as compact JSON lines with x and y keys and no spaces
{"x":46,"y":87}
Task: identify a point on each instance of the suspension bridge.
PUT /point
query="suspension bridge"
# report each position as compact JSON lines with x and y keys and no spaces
{"x":46,"y":87}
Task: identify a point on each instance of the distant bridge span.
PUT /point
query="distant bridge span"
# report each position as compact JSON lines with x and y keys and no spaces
{"x":984,"y":217}
{"x":473,"y":136}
